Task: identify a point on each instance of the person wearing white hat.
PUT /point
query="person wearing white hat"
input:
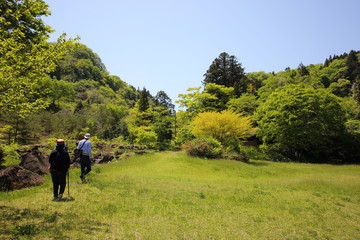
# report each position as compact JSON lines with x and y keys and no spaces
{"x":85,"y":156}
{"x":59,"y":165}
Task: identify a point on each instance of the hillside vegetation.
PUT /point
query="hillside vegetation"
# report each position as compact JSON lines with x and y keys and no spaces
{"x":63,"y":90}
{"x":173,"y":196}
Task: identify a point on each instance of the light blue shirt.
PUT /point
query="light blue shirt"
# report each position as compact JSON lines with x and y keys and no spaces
{"x":86,"y":148}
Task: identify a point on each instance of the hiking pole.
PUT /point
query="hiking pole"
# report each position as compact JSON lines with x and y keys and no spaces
{"x":68,"y":177}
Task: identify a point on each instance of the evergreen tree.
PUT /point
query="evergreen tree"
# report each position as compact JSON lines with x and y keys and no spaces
{"x":225,"y":70}
{"x":144,"y":101}
{"x":162,"y":99}
{"x":303,"y":70}
{"x":353,"y":66}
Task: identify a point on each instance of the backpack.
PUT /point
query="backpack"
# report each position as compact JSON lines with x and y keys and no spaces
{"x":78,"y":151}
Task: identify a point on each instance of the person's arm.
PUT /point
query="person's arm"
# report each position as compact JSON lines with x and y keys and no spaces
{"x":51,"y":159}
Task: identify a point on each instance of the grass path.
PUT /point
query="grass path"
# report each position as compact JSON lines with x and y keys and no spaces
{"x":173,"y":196}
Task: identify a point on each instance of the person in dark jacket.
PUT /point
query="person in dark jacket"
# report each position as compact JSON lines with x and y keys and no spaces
{"x":59,"y":164}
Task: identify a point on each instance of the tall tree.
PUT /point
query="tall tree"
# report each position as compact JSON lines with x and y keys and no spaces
{"x":301,"y":123}
{"x":353,"y":66}
{"x":25,"y":57}
{"x":226,"y":70}
{"x":144,"y":100}
{"x":162,"y":99}
{"x":303,"y":70}
{"x":24,"y":16}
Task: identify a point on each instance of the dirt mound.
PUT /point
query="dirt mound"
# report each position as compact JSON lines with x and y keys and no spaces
{"x":17,"y":177}
{"x":34,"y":161}
{"x":103,"y":158}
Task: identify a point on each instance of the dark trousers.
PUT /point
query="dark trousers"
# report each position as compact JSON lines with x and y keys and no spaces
{"x":59,"y":180}
{"x":85,"y":165}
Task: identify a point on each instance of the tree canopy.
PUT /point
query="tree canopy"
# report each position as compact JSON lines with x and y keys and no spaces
{"x":227,"y":71}
{"x":301,"y":122}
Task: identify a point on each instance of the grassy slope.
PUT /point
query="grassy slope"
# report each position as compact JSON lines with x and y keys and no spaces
{"x":172,"y":196}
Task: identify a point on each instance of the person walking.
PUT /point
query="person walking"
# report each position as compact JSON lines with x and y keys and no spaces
{"x":59,"y":165}
{"x":85,"y":156}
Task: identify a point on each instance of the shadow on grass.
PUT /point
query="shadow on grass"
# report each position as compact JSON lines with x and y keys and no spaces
{"x":26,"y":223}
{"x":259,"y":164}
{"x":66,"y":199}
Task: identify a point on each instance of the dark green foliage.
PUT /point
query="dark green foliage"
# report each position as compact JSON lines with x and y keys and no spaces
{"x":353,"y":66}
{"x":225,"y":70}
{"x":303,"y":70}
{"x":204,"y":148}
{"x":1,"y":154}
{"x":80,"y":64}
{"x":237,"y":156}
{"x":162,"y":99}
{"x":355,"y":89}
{"x":144,"y":100}
{"x":211,"y":148}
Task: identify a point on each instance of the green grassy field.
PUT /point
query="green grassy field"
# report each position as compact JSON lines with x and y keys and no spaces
{"x":173,"y":196}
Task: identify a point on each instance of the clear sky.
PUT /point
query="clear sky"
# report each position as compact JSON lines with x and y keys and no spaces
{"x":169,"y":44}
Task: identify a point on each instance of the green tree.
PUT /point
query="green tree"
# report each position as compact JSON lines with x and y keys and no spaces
{"x":56,"y":90}
{"x":144,"y":100}
{"x":225,"y":70}
{"x":301,"y":123}
{"x":25,"y":58}
{"x":353,"y":66}
{"x":213,"y":98}
{"x":162,"y":99}
{"x":79,"y":64}
{"x":246,"y":104}
{"x":226,"y":127}
{"x":303,"y":70}
{"x":25,"y":17}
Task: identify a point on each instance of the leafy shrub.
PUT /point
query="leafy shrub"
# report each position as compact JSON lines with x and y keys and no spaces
{"x":254,"y":152}
{"x":146,"y":138}
{"x":227,"y":127}
{"x":162,"y":146}
{"x":205,"y":148}
{"x":51,"y":143}
{"x":11,"y":154}
{"x":238,"y":156}
{"x":184,"y":135}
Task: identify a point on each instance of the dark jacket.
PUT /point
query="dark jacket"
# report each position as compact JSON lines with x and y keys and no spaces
{"x":59,"y":160}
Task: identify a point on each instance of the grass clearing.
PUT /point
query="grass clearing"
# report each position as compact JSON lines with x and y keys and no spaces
{"x":172,"y":196}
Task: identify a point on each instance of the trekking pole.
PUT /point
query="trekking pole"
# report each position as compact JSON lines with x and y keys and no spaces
{"x":68,"y":177}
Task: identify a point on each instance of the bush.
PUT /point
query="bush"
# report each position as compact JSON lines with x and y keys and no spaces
{"x":11,"y":154}
{"x":204,"y":148}
{"x":238,"y":156}
{"x":254,"y":153}
{"x":146,"y":138}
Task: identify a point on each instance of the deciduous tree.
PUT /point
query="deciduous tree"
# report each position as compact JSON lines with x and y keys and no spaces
{"x":227,"y":127}
{"x":302,"y":123}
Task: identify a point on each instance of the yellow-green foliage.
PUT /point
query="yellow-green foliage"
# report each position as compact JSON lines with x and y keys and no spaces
{"x":226,"y":126}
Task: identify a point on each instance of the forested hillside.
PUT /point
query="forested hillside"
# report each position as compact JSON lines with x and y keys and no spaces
{"x":62,"y":90}
{"x":309,"y":114}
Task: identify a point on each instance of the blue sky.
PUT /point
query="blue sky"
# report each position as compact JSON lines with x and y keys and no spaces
{"x":169,"y":44}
